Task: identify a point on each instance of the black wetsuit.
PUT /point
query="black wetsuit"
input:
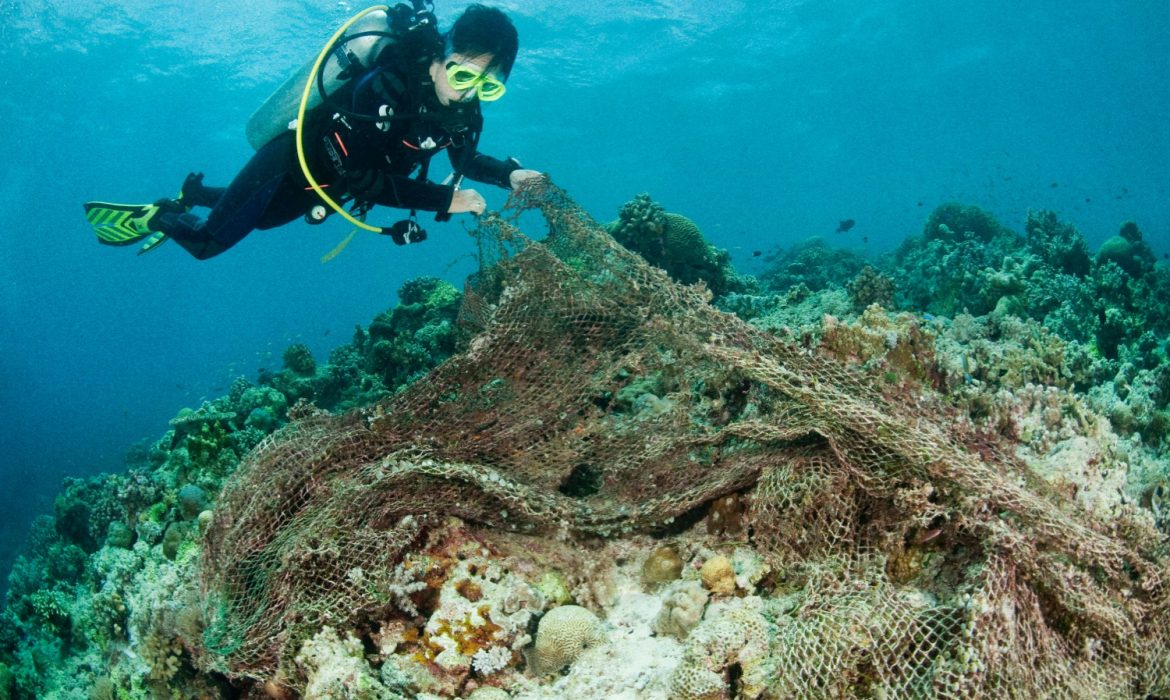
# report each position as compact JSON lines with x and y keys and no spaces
{"x":349,"y":157}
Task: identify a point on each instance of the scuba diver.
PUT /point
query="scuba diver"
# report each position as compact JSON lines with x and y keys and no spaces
{"x":358,"y":126}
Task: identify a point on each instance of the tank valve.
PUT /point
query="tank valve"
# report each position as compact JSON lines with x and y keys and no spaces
{"x":316,"y":214}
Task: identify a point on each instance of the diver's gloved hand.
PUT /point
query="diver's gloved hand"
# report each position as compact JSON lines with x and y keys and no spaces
{"x":367,"y":185}
{"x":466,"y":201}
{"x":521,"y":175}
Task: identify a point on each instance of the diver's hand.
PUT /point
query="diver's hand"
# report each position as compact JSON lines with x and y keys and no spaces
{"x":467,"y":201}
{"x":522,"y":175}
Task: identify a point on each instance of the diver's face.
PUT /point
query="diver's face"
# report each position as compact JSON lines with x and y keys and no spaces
{"x":443,"y":89}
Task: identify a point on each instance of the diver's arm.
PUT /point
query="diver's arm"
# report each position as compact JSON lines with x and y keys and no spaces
{"x":484,"y":168}
{"x":388,"y":190}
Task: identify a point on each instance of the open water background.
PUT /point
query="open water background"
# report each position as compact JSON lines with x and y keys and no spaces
{"x":765,"y":122}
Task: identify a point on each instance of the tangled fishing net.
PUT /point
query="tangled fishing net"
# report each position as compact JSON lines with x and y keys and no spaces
{"x":528,"y":431}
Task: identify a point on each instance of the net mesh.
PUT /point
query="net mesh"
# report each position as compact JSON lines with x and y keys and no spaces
{"x":599,"y":398}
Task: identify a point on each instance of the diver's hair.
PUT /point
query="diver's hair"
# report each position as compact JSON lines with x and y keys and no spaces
{"x":485,"y":30}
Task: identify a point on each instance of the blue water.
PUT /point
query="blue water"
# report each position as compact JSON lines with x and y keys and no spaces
{"x":765,"y":122}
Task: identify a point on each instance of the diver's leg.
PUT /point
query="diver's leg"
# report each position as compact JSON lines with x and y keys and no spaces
{"x":239,"y":210}
{"x":196,"y":194}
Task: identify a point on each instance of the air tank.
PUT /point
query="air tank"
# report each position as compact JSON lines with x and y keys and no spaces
{"x":279,"y":111}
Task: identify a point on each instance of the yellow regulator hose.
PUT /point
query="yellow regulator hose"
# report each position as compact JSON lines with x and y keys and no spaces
{"x":309,"y":84}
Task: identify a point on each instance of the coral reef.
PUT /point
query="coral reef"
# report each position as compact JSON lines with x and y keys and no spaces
{"x":675,"y":244}
{"x":813,"y":264}
{"x":400,"y":345}
{"x":104,"y":584}
{"x":1106,"y":326}
{"x":942,"y":271}
{"x":613,"y":490}
{"x":859,"y":476}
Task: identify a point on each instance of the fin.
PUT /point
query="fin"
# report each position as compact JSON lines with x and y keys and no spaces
{"x":120,"y":224}
{"x":153,"y":241}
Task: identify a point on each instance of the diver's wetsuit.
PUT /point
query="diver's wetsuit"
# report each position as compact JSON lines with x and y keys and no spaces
{"x":346,"y":156}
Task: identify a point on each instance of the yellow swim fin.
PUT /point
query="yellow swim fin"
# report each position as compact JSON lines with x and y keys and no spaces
{"x":120,"y":224}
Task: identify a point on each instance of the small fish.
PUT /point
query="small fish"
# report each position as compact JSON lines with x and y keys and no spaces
{"x":757,"y":253}
{"x":865,"y":239}
{"x":1054,"y":185}
{"x":845,"y":226}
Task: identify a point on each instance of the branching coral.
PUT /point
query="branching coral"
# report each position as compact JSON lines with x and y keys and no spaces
{"x":403,"y":583}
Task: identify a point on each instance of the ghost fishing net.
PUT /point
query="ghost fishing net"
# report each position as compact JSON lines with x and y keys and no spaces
{"x":598,"y":398}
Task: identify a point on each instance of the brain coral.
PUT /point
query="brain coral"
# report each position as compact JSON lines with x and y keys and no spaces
{"x":561,"y":636}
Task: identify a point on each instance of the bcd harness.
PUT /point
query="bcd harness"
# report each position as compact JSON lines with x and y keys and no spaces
{"x":414,"y":38}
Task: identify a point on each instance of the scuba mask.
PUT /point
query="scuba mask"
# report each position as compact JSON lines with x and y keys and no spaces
{"x":463,"y":77}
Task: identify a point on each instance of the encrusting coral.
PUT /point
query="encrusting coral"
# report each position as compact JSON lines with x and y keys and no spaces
{"x":682,"y":608}
{"x":736,"y":635}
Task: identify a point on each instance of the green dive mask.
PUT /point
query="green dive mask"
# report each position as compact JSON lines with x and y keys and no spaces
{"x":462,"y":77}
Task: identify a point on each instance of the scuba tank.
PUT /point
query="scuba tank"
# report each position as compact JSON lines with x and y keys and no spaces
{"x":373,"y":31}
{"x":274,"y":116}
